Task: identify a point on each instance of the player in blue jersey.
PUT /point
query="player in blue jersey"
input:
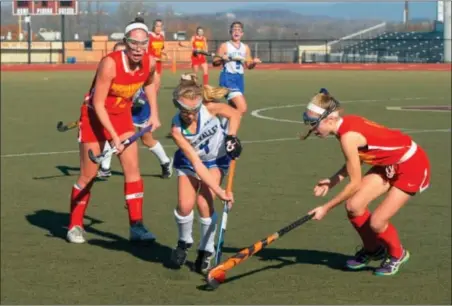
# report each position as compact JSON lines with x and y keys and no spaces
{"x":235,"y":56}
{"x":203,"y":158}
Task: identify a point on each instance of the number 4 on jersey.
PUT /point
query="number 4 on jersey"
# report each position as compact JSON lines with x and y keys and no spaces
{"x":205,"y":147}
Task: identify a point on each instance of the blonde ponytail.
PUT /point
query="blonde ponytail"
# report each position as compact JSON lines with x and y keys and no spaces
{"x":213,"y":94}
{"x":190,"y":88}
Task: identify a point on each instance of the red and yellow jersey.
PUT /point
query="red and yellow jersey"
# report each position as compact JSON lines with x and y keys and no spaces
{"x":384,"y":147}
{"x":156,"y":44}
{"x":124,"y":85}
{"x":199,"y":43}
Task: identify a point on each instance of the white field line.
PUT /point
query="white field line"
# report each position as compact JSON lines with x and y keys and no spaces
{"x":30,"y":154}
{"x":257,"y":113}
{"x":401,"y":108}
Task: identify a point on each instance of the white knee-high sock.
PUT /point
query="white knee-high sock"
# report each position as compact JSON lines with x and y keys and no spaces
{"x":208,"y":230}
{"x":185,"y":226}
{"x":106,"y":163}
{"x":160,"y":153}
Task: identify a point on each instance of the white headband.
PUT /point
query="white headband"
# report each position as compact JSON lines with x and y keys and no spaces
{"x":319,"y":111}
{"x":316,"y":109}
{"x":135,"y":26}
{"x":186,"y":77}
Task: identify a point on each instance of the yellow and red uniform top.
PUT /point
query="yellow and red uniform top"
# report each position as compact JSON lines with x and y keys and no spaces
{"x":156,"y":44}
{"x":124,"y":85}
{"x":384,"y":147}
{"x":199,"y":43}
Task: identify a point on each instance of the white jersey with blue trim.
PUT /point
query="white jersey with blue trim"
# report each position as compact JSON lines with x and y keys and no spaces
{"x":240,"y":52}
{"x":208,"y":141}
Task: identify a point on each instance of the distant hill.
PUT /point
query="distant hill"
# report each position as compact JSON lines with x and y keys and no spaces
{"x":388,"y":11}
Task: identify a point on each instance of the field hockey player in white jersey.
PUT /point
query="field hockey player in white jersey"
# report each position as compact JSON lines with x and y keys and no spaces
{"x":201,"y":163}
{"x":235,"y":56}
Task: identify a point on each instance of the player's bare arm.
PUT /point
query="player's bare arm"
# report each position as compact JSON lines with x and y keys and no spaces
{"x":105,"y":75}
{"x":206,"y":46}
{"x":349,"y":144}
{"x":222,"y":51}
{"x":226,"y":111}
{"x":150,"y":89}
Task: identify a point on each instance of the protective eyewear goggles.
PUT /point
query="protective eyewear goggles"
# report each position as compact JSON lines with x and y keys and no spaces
{"x":311,"y":121}
{"x":184,"y":108}
{"x":137,"y":44}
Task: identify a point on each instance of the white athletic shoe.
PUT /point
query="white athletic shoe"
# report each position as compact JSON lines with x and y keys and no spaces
{"x":76,"y":234}
{"x":103,"y":173}
{"x":138,"y":232}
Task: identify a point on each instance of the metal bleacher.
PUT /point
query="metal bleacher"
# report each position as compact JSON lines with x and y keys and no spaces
{"x":401,"y":47}
{"x":391,"y":46}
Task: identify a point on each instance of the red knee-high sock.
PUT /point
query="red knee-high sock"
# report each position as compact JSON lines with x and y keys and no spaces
{"x":133,"y":192}
{"x":390,"y":237}
{"x":205,"y":79}
{"x":79,"y":203}
{"x":362,"y":226}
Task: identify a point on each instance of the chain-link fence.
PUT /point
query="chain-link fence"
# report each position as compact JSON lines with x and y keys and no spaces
{"x":394,"y":48}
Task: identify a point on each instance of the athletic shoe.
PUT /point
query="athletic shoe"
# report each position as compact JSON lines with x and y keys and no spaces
{"x":102,"y":173}
{"x":169,"y":136}
{"x":362,"y":258}
{"x":203,"y":262}
{"x":138,"y":232}
{"x":391,"y":265}
{"x":76,"y":234}
{"x":179,"y":254}
{"x":167,"y":169}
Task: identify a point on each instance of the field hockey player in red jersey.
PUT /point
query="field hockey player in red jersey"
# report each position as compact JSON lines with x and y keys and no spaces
{"x":108,"y":117}
{"x":400,"y":169}
{"x":199,"y":42}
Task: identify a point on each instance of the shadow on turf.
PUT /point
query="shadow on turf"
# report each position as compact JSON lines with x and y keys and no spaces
{"x":56,"y":225}
{"x":74,"y":171}
{"x":56,"y":222}
{"x":332,"y":260}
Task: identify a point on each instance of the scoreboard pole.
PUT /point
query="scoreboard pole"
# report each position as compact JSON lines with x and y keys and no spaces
{"x":28,"y":22}
{"x":63,"y":39}
{"x":20,"y":26}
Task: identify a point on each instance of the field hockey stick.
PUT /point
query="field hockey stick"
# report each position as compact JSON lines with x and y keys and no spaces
{"x":224,"y":218}
{"x":61,"y":127}
{"x":218,"y":274}
{"x":101,"y":157}
{"x":212,"y":54}
{"x":199,"y":51}
{"x":184,"y":46}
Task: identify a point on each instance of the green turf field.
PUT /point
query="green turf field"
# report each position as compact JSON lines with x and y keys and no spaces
{"x":273,"y":187}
